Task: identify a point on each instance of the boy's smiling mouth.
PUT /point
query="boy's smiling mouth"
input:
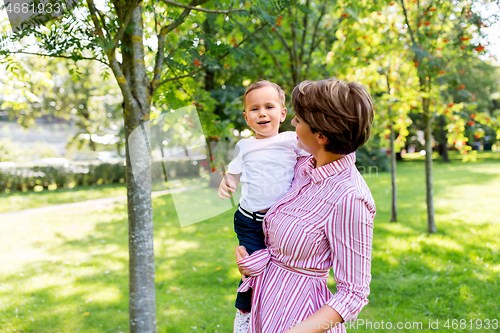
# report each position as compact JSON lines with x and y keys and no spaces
{"x":263,"y":122}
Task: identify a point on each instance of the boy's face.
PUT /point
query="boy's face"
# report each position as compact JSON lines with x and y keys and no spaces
{"x":264,"y":112}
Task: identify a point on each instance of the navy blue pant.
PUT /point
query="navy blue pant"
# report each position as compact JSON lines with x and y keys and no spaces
{"x":250,"y":235}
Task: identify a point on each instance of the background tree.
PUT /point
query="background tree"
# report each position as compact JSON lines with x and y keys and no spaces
{"x":368,"y":50}
{"x":479,"y":76}
{"x":56,"y":93}
{"x":134,"y":39}
{"x":436,"y":32}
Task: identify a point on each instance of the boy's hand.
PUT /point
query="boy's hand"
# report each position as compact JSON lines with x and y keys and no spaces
{"x":226,"y":187}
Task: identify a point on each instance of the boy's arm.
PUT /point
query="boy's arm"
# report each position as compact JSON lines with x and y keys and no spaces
{"x":228,"y":185}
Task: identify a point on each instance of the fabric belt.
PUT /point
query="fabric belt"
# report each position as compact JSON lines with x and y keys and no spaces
{"x":256,"y":265}
{"x":313,"y":273}
{"x":259,"y":217}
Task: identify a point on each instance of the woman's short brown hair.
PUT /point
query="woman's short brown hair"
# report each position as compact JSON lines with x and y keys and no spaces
{"x":343,"y":112}
{"x":262,"y":84}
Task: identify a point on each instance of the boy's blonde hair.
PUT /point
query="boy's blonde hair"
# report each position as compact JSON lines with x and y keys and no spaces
{"x":343,"y":112}
{"x":262,"y":84}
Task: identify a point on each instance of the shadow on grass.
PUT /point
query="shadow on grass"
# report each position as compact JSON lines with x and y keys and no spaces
{"x":422,"y":278}
{"x":83,"y":285}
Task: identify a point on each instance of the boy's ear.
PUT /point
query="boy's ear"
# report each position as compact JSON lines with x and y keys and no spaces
{"x":245,"y":116}
{"x":283,"y":114}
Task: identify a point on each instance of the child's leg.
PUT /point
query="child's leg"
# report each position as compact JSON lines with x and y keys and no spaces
{"x":248,"y":228}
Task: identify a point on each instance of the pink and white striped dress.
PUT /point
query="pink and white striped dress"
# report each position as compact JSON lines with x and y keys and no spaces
{"x":324,"y":221}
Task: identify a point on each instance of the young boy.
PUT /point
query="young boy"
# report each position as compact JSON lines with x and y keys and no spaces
{"x":264,"y":164}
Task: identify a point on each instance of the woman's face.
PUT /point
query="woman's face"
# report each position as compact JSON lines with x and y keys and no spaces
{"x":307,"y":139}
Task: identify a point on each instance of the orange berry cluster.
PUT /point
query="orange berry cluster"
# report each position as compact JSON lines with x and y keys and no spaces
{"x":278,"y":23}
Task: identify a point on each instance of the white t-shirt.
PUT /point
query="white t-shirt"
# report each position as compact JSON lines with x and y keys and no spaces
{"x":266,"y":167}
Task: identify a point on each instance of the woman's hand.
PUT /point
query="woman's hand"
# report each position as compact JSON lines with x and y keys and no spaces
{"x":241,"y":253}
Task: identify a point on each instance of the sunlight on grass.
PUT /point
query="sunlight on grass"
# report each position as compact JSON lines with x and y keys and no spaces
{"x":178,"y":248}
{"x":103,"y":295}
{"x":446,"y":244}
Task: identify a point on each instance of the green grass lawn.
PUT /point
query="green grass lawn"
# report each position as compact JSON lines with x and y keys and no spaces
{"x":68,"y":272}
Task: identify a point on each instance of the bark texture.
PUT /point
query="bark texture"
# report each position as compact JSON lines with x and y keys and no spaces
{"x":427,"y":121}
{"x":142,"y":302}
{"x":443,"y":148}
{"x":394,"y":204}
{"x":394,"y":207}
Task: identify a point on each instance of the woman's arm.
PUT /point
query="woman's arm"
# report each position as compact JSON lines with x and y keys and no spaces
{"x":350,"y":233}
{"x":320,"y":321}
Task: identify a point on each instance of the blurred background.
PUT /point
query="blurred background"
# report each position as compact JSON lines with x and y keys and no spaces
{"x":432,"y":163}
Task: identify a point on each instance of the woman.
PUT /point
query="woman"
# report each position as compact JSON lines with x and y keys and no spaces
{"x":325,"y":220}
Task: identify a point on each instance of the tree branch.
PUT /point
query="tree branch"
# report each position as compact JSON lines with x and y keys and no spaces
{"x":408,"y":23}
{"x":125,"y":22}
{"x":275,"y":60}
{"x":294,"y":60}
{"x":191,"y":7}
{"x":166,"y":29}
{"x":128,"y":98}
{"x":304,"y":30}
{"x":160,"y":55}
{"x":244,"y":40}
{"x":56,"y":56}
{"x":285,"y":44}
{"x":93,"y":14}
{"x":182,"y":76}
{"x":103,"y":21}
{"x":315,"y":32}
{"x":419,"y":18}
{"x":220,"y":58}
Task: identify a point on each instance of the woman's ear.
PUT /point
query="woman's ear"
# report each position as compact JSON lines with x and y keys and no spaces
{"x":322,"y":140}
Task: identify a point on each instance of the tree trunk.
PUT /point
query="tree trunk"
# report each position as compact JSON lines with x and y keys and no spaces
{"x":394,"y":210}
{"x":443,"y":148}
{"x":142,"y":302}
{"x":427,"y":121}
{"x":394,"y":206}
{"x":91,"y":142}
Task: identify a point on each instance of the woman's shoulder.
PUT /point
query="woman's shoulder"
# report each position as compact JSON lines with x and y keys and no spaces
{"x":351,"y":186}
{"x":348,"y":182}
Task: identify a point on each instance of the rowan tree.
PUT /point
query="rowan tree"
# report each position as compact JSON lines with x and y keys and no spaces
{"x":437,"y":34}
{"x":140,"y":42}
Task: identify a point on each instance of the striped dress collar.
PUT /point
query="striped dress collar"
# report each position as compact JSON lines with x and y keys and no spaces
{"x":327,"y":170}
